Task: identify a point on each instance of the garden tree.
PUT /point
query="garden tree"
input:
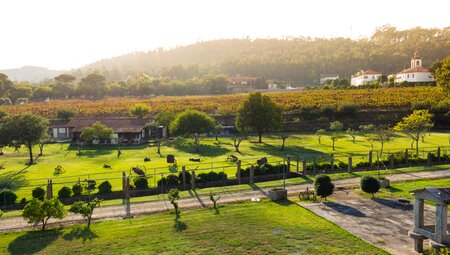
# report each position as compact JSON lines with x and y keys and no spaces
{"x":65,"y":78}
{"x":283,"y":138}
{"x":368,"y":129}
{"x":236,"y":143}
{"x":352,"y":133}
{"x":45,"y":138}
{"x":25,"y":129}
{"x":98,"y":131}
{"x":86,"y":209}
{"x":370,"y":185}
{"x":4,"y":140}
{"x":193,"y":123}
{"x":65,"y":114}
{"x":214,"y":199}
{"x":415,"y":124}
{"x":41,"y":211}
{"x":336,"y":126}
{"x":140,"y":111}
{"x":21,"y":90}
{"x":320,"y":133}
{"x":259,"y":113}
{"x":42,"y":92}
{"x":323,"y":186}
{"x":164,"y":118}
{"x":6,"y":85}
{"x":217,"y":84}
{"x":217,"y":130}
{"x":442,"y":74}
{"x":382,"y":134}
{"x":173,"y":197}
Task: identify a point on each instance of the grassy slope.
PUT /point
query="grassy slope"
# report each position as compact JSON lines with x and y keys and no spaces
{"x":250,"y":228}
{"x":92,"y":160}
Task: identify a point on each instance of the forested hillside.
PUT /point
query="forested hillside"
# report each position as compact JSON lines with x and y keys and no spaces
{"x":296,"y":60}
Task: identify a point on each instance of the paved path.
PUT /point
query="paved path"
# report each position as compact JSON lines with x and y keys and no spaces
{"x":365,"y":211}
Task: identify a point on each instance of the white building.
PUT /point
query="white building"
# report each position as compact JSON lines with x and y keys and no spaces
{"x":328,"y":77}
{"x":363,"y":77}
{"x":416,"y":73}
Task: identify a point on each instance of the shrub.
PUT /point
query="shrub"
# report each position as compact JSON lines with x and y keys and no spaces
{"x":89,"y":184}
{"x":140,"y":183}
{"x":65,"y":192}
{"x":86,"y":209}
{"x":41,"y":211}
{"x":370,"y":185}
{"x":77,"y":189}
{"x":419,"y":105}
{"x":104,"y":187}
{"x":212,"y":177}
{"x":323,"y":186}
{"x":7,"y":197}
{"x":348,"y":109}
{"x":327,"y":110}
{"x":38,"y":193}
{"x":441,"y":107}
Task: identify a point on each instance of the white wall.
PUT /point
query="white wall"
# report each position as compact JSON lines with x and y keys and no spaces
{"x":364,"y":79}
{"x":414,"y":77}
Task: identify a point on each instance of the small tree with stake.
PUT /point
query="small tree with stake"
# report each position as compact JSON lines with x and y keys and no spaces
{"x":323,"y":186}
{"x":173,"y":197}
{"x":86,"y":209}
{"x":370,"y":185}
{"x":214,"y":199}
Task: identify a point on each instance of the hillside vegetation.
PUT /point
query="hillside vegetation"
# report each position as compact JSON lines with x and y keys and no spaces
{"x":297,"y":60}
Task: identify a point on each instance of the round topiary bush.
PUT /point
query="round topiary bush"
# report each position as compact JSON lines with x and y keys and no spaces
{"x":104,"y":187}
{"x":65,"y":192}
{"x":141,"y":183}
{"x":323,"y":186}
{"x":7,"y":197}
{"x":77,"y":189}
{"x":38,"y":193}
{"x":370,"y":185}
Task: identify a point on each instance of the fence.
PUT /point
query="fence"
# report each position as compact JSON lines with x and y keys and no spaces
{"x":236,"y":172}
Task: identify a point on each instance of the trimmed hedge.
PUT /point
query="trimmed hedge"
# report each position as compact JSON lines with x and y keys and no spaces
{"x":65,"y":192}
{"x":105,"y":187}
{"x":7,"y":197}
{"x":38,"y":193}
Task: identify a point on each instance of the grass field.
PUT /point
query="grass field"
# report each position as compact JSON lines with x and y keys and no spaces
{"x":89,"y":165}
{"x":250,"y":228}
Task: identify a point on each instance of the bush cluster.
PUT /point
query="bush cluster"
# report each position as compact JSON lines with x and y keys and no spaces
{"x":65,"y":192}
{"x":105,"y":187}
{"x":77,"y":189}
{"x":38,"y":193}
{"x":7,"y":197}
{"x":264,"y":170}
{"x":140,"y":183}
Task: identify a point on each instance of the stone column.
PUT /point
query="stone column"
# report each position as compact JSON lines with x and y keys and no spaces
{"x":391,"y":161}
{"x":370,"y":160}
{"x":288,"y":163}
{"x":183,"y":171}
{"x":439,"y":154}
{"x":441,"y":222}
{"x":193,"y":180}
{"x":238,"y":171}
{"x":305,"y":170}
{"x":314,"y":166}
{"x":350,"y":163}
{"x":418,"y":213}
{"x":429,"y":158}
{"x":406,"y":156}
{"x":252,"y":175}
{"x":332,"y":163}
{"x":49,"y":189}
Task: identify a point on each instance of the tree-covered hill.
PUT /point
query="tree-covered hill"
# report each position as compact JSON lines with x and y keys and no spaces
{"x":296,"y":60}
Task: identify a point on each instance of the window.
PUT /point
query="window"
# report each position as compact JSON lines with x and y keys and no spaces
{"x":412,"y":75}
{"x":366,"y":77}
{"x":408,"y":76}
{"x":61,"y":130}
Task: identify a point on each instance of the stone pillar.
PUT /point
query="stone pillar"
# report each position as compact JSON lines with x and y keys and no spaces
{"x":193,"y":180}
{"x":288,"y":164}
{"x":370,"y":160}
{"x":183,"y":172}
{"x":439,"y":154}
{"x":418,"y":241}
{"x":314,"y":166}
{"x":297,"y":164}
{"x":429,"y":158}
{"x":125,"y":185}
{"x":441,"y":222}
{"x":252,"y":174}
{"x":305,"y":170}
{"x":391,"y":161}
{"x":128,"y":188}
{"x":350,"y":164}
{"x":418,"y":213}
{"x":238,"y":171}
{"x":49,"y":189}
{"x":332,"y":163}
{"x":406,"y":156}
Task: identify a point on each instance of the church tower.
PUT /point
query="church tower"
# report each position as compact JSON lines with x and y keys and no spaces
{"x":416,"y":61}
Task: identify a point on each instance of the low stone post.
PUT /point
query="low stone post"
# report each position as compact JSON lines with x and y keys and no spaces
{"x":288,"y":163}
{"x":314,"y":166}
{"x":429,"y":158}
{"x":305,"y":170}
{"x":391,"y":161}
{"x":183,"y":171}
{"x":238,"y":171}
{"x":297,"y":163}
{"x":252,"y":174}
{"x":350,"y":164}
{"x":49,"y":189}
{"x":439,"y":154}
{"x":193,"y":180}
{"x":332,"y":163}
{"x":371,"y":160}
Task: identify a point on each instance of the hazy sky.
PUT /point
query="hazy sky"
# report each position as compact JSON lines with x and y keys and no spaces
{"x":64,"y":34}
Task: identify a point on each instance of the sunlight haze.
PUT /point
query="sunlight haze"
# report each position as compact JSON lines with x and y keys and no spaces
{"x":69,"y":34}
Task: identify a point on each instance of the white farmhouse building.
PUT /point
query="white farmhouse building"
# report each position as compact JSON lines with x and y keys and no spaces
{"x":416,"y":73}
{"x":363,"y":77}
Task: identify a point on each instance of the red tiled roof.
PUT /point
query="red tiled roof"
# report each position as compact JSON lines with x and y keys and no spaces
{"x":417,"y":69}
{"x":119,"y":125}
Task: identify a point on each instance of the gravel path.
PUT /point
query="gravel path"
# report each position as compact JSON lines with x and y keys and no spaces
{"x":198,"y":201}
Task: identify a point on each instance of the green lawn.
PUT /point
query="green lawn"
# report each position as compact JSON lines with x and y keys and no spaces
{"x":249,"y":228}
{"x":89,"y":165}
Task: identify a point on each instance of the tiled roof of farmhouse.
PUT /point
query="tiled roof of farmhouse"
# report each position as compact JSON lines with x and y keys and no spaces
{"x":417,"y":69}
{"x":119,"y":125}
